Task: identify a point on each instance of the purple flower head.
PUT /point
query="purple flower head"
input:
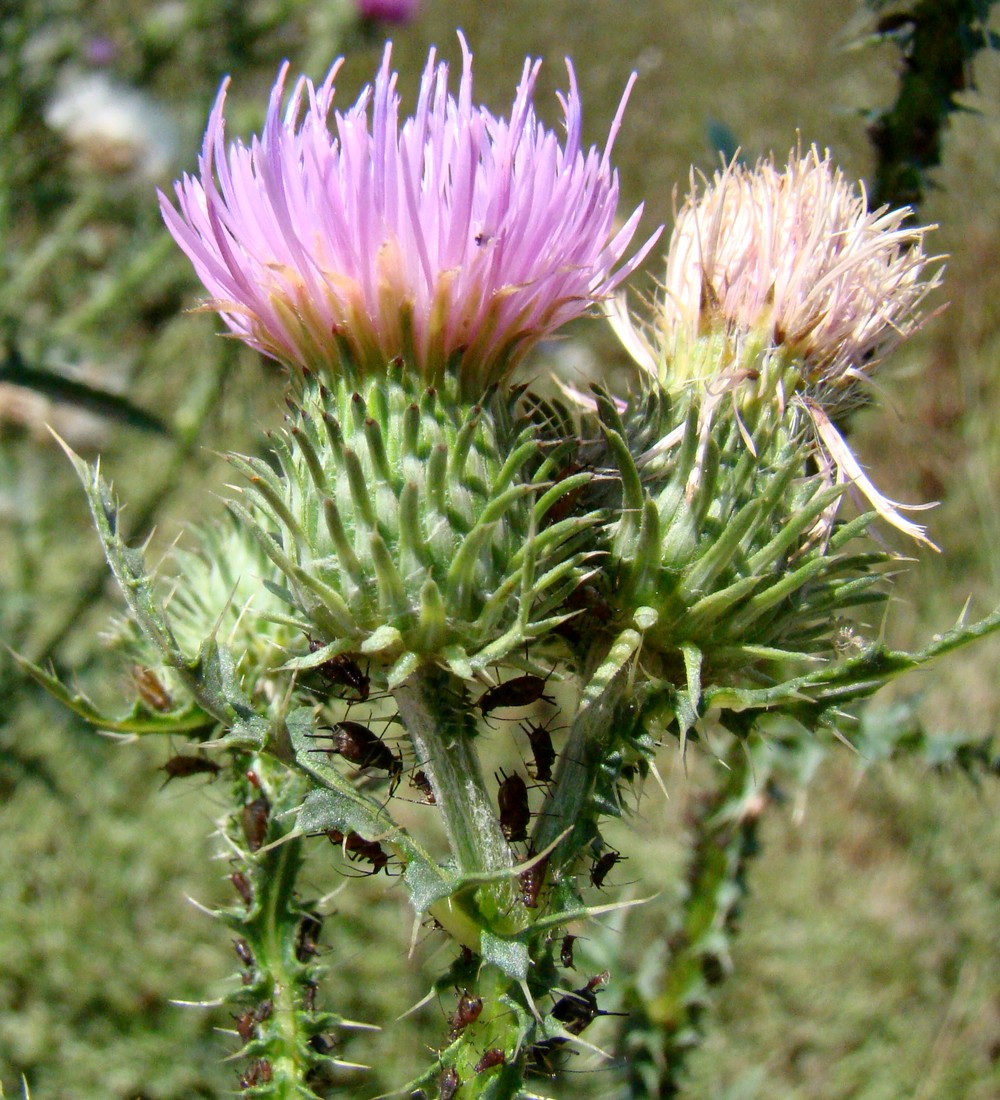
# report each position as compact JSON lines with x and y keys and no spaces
{"x":457,"y":239}
{"x":388,"y":11}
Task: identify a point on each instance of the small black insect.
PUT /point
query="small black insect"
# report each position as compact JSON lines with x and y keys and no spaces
{"x":422,"y":782}
{"x":257,"y":1073}
{"x":322,"y":1044}
{"x":246,"y":1025}
{"x":255,"y":819}
{"x":357,"y":744}
{"x":566,"y":952}
{"x":151,"y":690}
{"x":246,"y":1022}
{"x":307,"y":936}
{"x":358,"y":849}
{"x":243,"y":952}
{"x":512,"y":799}
{"x":241,"y":884}
{"x":491,"y":1058}
{"x":522,"y":691}
{"x":467,"y":1012}
{"x":182,"y":765}
{"x":578,"y":1010}
{"x":542,"y":750}
{"x":602,"y":867}
{"x":448,"y":1084}
{"x":345,"y":672}
{"x":532,"y":881}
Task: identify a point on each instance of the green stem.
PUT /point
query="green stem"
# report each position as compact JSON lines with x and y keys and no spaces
{"x":588,"y":744}
{"x":662,"y":1031}
{"x":279,"y":979}
{"x":438,"y":716}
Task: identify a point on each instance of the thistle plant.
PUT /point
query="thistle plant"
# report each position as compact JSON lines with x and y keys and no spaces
{"x":499,"y":601}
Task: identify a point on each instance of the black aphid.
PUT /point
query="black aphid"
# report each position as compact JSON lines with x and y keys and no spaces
{"x":307,"y":936}
{"x":491,"y":1058}
{"x":541,"y":748}
{"x":363,"y":748}
{"x":467,"y":1012}
{"x":360,"y":850}
{"x":183,"y":765}
{"x":448,"y":1083}
{"x":422,"y":782}
{"x":343,"y":671}
{"x":602,"y":867}
{"x":512,"y":799}
{"x":255,"y":819}
{"x":522,"y":691}
{"x":532,"y":881}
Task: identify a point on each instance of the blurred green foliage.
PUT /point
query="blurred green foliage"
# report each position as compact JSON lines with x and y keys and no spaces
{"x":867,"y":964}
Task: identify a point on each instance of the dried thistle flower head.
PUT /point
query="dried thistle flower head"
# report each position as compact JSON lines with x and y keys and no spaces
{"x":458,"y":237}
{"x":796,"y":256}
{"x":785,"y":281}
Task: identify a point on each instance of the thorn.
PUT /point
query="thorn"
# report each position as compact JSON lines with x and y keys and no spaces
{"x":202,"y":909}
{"x":426,"y":999}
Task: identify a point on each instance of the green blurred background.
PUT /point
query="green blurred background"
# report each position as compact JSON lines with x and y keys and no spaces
{"x":868,"y":965}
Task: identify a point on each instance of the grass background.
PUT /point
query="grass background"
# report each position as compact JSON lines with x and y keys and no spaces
{"x":868,"y":964}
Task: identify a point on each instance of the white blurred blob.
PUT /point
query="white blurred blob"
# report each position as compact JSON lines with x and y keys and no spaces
{"x":112,"y":128}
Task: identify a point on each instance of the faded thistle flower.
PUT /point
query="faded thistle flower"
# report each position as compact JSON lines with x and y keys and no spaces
{"x":783,"y":282}
{"x":342,"y":240}
{"x":794,"y":260}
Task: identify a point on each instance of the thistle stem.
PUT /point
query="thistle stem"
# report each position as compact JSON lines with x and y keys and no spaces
{"x":589,"y":740}
{"x":664,"y":1029}
{"x":437,"y":714}
{"x":279,"y":977}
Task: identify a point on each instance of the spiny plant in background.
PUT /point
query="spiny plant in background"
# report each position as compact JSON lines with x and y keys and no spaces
{"x":438,"y":575}
{"x":938,"y":43}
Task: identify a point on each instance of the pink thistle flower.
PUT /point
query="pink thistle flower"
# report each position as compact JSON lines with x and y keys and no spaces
{"x":797,"y":257}
{"x":456,"y":240}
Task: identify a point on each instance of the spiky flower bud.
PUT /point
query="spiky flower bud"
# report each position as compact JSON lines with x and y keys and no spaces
{"x":457,"y":239}
{"x":409,"y":526}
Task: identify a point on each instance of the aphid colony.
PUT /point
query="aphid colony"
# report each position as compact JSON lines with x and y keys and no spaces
{"x":341,"y":680}
{"x":374,"y":759}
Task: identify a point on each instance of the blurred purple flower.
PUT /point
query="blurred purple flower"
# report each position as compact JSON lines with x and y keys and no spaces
{"x":388,"y":11}
{"x":457,"y":240}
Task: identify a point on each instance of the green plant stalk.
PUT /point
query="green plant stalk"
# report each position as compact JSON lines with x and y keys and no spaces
{"x":938,"y":41}
{"x":437,"y":715}
{"x":277,"y":933}
{"x":588,"y":745}
{"x":660,"y":1033}
{"x":279,"y":981}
